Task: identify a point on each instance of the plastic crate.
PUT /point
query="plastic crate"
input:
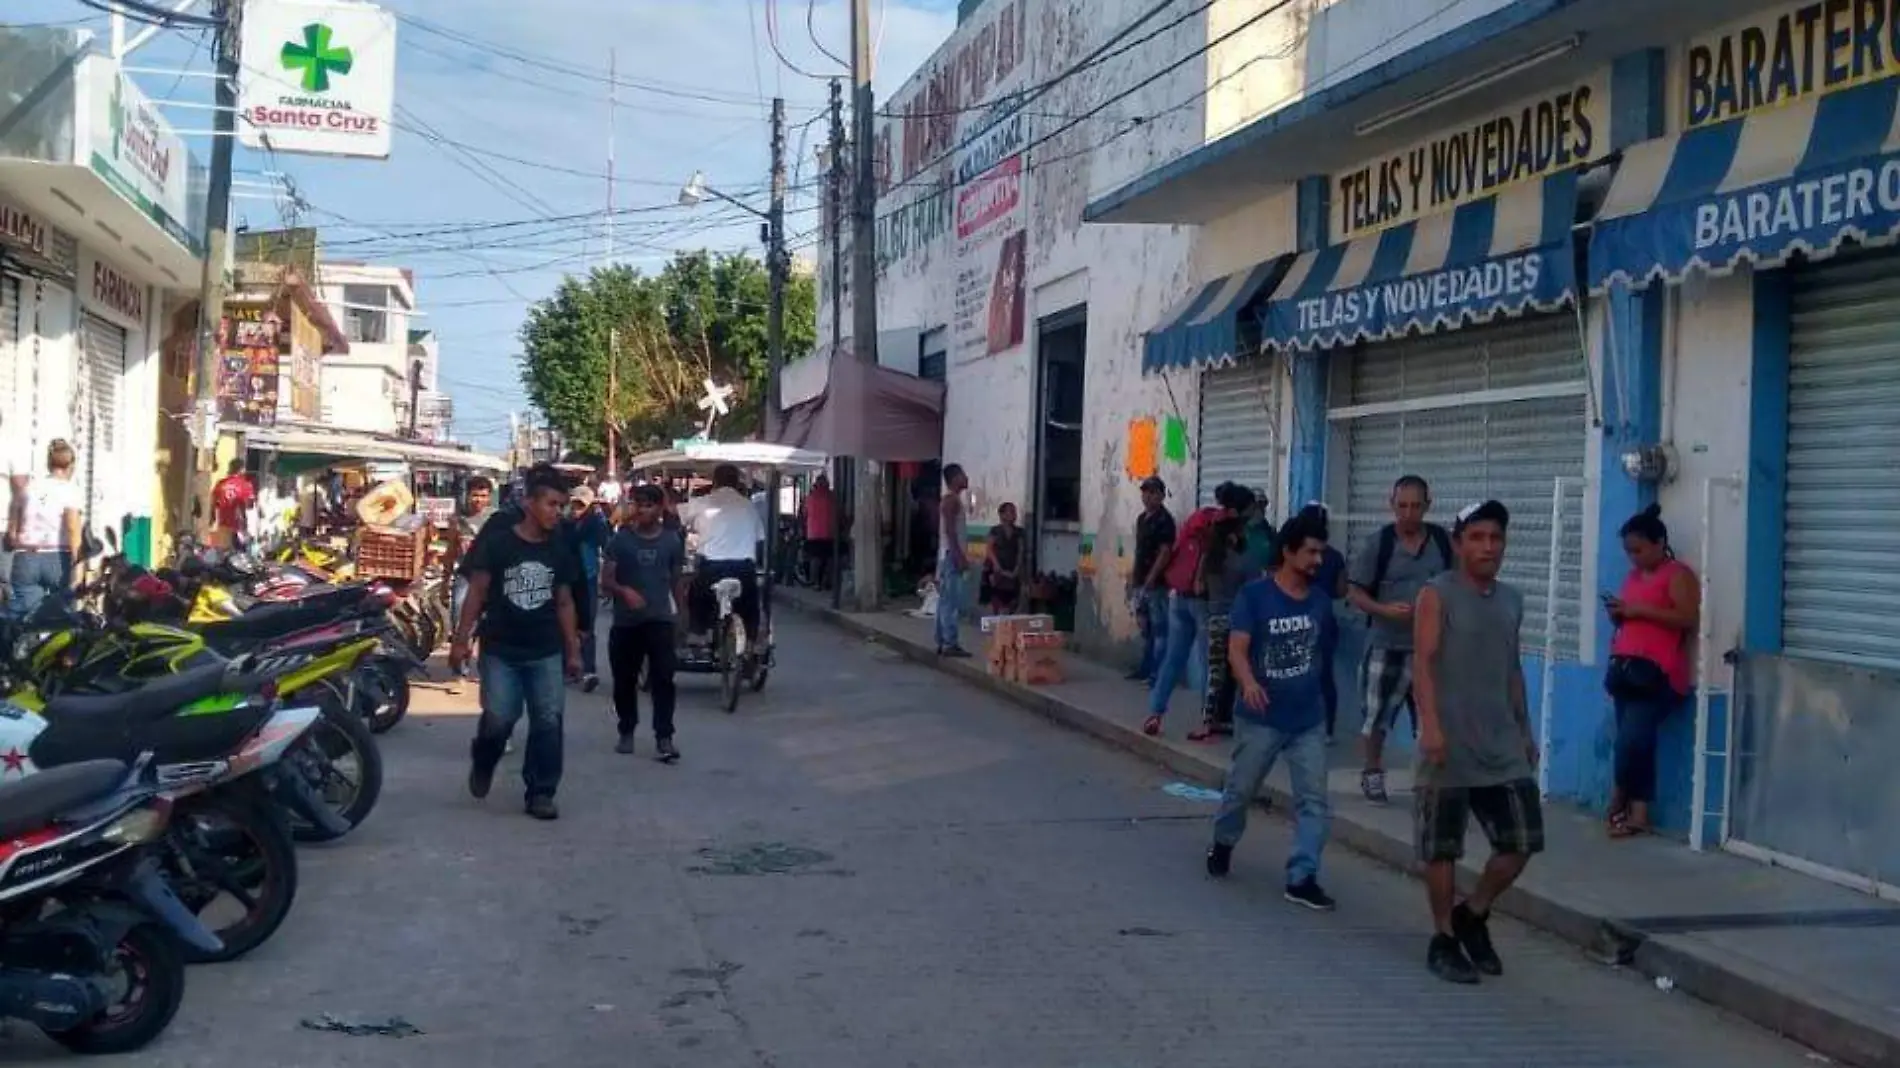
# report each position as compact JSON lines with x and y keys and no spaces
{"x":382,"y":552}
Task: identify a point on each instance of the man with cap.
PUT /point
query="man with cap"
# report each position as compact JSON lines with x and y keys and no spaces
{"x":586,"y":529}
{"x":1477,"y":751}
{"x":1147,"y":594}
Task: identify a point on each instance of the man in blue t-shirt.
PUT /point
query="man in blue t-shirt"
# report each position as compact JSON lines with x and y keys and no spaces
{"x":1274,"y":644}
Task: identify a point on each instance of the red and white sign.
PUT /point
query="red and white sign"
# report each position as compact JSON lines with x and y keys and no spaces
{"x":110,"y":293}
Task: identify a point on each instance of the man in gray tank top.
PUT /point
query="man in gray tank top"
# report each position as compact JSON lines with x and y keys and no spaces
{"x":1477,"y":751}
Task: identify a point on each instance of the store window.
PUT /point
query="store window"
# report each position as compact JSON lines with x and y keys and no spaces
{"x":365,"y":315}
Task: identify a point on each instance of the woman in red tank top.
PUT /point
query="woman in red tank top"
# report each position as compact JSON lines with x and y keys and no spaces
{"x":1655,"y":614}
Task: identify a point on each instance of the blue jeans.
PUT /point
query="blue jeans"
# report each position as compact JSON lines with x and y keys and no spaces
{"x":509,"y":688}
{"x":1256,"y":747}
{"x":949,"y":603}
{"x":1151,"y":615}
{"x":37,"y":575}
{"x":1186,"y":652}
{"x":1637,"y":722}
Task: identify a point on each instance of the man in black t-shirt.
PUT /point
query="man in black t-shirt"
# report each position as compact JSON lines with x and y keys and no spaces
{"x":521,"y":580}
{"x":1147,"y":598}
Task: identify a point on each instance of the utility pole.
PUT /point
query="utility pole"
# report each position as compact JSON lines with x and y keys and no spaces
{"x":217,"y":239}
{"x":834,"y":194}
{"x":415,"y":395}
{"x":613,"y":332}
{"x":774,"y":333}
{"x":867,"y":554}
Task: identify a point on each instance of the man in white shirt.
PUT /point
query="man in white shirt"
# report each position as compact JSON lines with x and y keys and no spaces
{"x":728,"y":534}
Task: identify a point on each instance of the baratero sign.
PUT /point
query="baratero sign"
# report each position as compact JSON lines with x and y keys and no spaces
{"x":317,"y":78}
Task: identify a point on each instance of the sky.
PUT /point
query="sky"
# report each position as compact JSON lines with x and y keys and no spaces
{"x":695,"y":78}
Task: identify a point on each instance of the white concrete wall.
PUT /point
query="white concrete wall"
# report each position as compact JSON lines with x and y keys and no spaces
{"x":358,"y":396}
{"x":1708,"y":375}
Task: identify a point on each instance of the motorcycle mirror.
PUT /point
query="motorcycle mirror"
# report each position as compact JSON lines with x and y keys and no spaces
{"x":112,"y":538}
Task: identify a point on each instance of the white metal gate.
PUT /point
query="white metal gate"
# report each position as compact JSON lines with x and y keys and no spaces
{"x":1240,"y":420}
{"x":1841,"y":591}
{"x":1494,"y":411}
{"x":96,"y":413}
{"x":12,"y":428}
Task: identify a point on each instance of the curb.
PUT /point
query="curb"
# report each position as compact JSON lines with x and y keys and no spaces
{"x":1746,"y":988}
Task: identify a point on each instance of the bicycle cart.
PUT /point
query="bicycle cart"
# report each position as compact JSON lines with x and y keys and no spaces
{"x":726,"y":652}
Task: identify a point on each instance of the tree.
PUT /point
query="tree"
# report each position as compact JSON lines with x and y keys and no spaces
{"x":702,"y":316}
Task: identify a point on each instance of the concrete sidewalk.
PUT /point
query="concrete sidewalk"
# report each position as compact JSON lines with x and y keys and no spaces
{"x":1817,"y":963}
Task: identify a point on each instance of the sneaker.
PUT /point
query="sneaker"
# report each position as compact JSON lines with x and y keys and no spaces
{"x":1474,"y":937}
{"x":954,"y":652}
{"x":625,"y":745}
{"x":479,"y":781}
{"x":589,"y":683}
{"x":1309,"y":894}
{"x":668,"y":753}
{"x":1448,"y":962}
{"x":1220,"y":860}
{"x":1372,"y":784}
{"x":543,"y":808}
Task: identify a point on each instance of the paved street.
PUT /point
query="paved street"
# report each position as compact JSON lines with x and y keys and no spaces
{"x":871,"y":865}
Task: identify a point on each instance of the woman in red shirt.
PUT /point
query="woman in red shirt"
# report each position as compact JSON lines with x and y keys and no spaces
{"x":1656,"y":614}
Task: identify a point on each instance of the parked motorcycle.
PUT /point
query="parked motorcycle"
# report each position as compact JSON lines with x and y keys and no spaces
{"x":89,"y":929}
{"x":206,"y":730}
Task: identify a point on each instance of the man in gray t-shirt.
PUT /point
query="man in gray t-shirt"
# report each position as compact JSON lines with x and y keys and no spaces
{"x":642,"y":574}
{"x":1477,"y":752}
{"x":1383,"y":579}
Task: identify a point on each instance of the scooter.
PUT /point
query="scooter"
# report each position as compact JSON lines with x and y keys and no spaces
{"x":89,"y":929}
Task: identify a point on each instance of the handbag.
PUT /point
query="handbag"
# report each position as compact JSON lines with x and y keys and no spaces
{"x":1635,"y":678}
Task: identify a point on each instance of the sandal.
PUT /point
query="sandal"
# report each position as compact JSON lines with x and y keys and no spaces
{"x":1151,"y":726}
{"x":1206,"y":732}
{"x":1621,"y":827}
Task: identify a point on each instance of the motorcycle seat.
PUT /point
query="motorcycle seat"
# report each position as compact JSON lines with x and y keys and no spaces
{"x":30,"y":804}
{"x":156,"y":699}
{"x":274,"y":619}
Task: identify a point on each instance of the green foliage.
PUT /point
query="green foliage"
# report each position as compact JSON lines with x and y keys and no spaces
{"x":702,"y":316}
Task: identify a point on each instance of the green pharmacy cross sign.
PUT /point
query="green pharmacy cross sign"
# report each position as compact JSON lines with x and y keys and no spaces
{"x":316,"y":58}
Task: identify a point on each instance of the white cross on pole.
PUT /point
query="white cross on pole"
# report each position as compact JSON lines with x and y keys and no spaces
{"x":714,"y":404}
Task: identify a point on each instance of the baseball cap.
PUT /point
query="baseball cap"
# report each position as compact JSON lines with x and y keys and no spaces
{"x":584,"y":494}
{"x":1153,"y":482}
{"x":1492,"y":511}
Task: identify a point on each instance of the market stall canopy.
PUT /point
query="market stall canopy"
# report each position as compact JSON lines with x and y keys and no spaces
{"x":345,"y":445}
{"x":746,"y":454}
{"x":872,"y":413}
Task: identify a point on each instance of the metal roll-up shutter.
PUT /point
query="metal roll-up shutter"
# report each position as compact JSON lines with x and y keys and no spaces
{"x":1488,"y":412}
{"x":1840,"y":589}
{"x":9,"y":353}
{"x":1240,"y":421}
{"x":98,"y":424}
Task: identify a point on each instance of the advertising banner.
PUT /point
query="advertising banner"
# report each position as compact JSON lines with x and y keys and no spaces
{"x":318,"y":78}
{"x":1795,"y":52}
{"x":991,"y":239}
{"x":248,"y":365}
{"x":136,"y":151}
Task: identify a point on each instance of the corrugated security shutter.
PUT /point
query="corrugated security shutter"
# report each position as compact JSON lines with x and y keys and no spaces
{"x":1475,"y":447}
{"x":1240,"y":420}
{"x":1841,"y":591}
{"x":10,"y":354}
{"x":98,"y":426}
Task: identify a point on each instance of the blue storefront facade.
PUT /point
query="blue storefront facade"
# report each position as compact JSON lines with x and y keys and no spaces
{"x":1587,"y":256}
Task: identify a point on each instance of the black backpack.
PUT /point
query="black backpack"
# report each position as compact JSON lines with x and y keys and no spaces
{"x":1389,"y":544}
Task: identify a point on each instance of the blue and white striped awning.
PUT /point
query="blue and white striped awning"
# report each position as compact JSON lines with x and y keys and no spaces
{"x":1496,"y":256}
{"x":1203,"y":329}
{"x":1799,"y":178}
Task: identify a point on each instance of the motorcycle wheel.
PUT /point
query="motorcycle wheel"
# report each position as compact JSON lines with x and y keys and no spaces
{"x":154,"y":973}
{"x":339,"y":733}
{"x":730,"y":670}
{"x":382,"y":692}
{"x":222,"y":844}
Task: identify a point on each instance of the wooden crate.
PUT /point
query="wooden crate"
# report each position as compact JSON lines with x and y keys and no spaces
{"x":385,"y":552}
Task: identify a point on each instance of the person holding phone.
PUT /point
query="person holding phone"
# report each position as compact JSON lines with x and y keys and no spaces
{"x":1276,"y":632}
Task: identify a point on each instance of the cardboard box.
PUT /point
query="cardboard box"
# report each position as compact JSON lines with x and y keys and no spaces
{"x":1038,"y":659}
{"x":1020,"y":623}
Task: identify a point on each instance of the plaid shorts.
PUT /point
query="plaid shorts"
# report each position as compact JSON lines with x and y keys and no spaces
{"x":1512,"y":815}
{"x":1385,"y":687}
